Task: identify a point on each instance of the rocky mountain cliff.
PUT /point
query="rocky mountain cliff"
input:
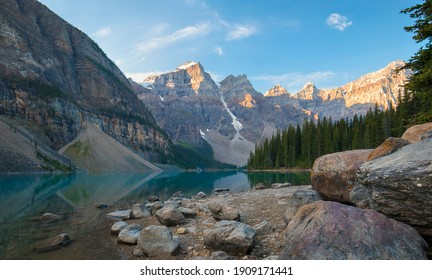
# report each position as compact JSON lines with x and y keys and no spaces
{"x":382,"y":87}
{"x":54,"y":78}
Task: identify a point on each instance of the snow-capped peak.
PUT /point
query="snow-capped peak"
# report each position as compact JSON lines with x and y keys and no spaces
{"x":186,"y":65}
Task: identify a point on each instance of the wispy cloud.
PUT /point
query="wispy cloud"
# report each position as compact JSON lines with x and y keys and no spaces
{"x":239,"y":31}
{"x":295,"y":81}
{"x":219,"y":51}
{"x":338,"y":22}
{"x":103,"y":32}
{"x":188,"y":32}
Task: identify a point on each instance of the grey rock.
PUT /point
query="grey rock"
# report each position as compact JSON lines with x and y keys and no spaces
{"x":230,"y":236}
{"x":158,"y":241}
{"x":120,"y":215}
{"x":264,"y":228}
{"x":187,"y":213}
{"x":400,"y":186}
{"x":169,"y":215}
{"x":326,"y":230}
{"x":261,"y":186}
{"x":140,"y":211}
{"x":155,"y":206}
{"x":200,"y":195}
{"x":298,"y":199}
{"x":152,"y":198}
{"x":138,"y":252}
{"x":223,"y":212}
{"x":129,"y":234}
{"x":118,"y":226}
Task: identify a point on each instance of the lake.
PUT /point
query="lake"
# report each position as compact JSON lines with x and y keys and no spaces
{"x":24,"y":198}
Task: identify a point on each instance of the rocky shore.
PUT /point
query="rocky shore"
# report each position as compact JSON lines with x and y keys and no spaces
{"x":368,"y":204}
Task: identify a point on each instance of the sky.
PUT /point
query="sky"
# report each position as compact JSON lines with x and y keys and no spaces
{"x":286,"y":42}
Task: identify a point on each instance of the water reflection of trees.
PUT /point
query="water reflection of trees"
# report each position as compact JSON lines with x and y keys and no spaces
{"x":268,"y":178}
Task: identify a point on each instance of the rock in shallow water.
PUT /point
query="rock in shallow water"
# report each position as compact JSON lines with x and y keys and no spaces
{"x":56,"y":242}
{"x":330,"y":230}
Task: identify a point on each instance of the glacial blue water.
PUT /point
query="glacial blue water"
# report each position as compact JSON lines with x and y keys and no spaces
{"x":25,"y":197}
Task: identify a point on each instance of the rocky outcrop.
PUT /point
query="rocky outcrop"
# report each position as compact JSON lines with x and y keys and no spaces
{"x":157,"y":241}
{"x":333,"y":175}
{"x":54,"y":77}
{"x":390,"y":145}
{"x":230,"y":236}
{"x":415,"y":133}
{"x":399,"y":186}
{"x":297,"y":200}
{"x":327,"y":230}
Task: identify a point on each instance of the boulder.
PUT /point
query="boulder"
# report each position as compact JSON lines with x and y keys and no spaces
{"x":140,"y":211}
{"x":200,"y":195}
{"x":120,"y":215}
{"x":415,"y":133}
{"x":298,"y":199}
{"x":187,"y":213}
{"x":129,"y":234}
{"x":155,"y":206}
{"x":223,"y":212}
{"x":390,"y":145}
{"x":56,"y":242}
{"x":326,"y":230}
{"x":399,"y":186}
{"x":260,"y":186}
{"x":333,"y":175}
{"x":152,"y":198}
{"x":230,"y":236}
{"x":157,"y":241}
{"x":117,"y":227}
{"x":169,"y":215}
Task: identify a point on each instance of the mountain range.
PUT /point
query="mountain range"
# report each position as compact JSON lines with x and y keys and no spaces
{"x":61,"y":88}
{"x":232,"y":116}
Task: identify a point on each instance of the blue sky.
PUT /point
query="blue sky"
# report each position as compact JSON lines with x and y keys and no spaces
{"x":290,"y":42}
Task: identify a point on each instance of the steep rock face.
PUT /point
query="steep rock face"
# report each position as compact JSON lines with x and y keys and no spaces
{"x":382,"y":87}
{"x":186,"y":80}
{"x":54,"y":77}
{"x":277,"y":90}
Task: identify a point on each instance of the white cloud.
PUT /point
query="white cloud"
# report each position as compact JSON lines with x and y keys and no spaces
{"x":103,"y":32}
{"x":219,"y":51}
{"x":295,"y":81}
{"x":181,"y":34}
{"x":338,"y":22}
{"x":241,"y":31}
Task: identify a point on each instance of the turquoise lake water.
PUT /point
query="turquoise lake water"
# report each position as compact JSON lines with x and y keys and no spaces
{"x":24,"y":198}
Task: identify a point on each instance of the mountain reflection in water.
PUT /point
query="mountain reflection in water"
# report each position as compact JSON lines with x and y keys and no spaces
{"x":24,"y":198}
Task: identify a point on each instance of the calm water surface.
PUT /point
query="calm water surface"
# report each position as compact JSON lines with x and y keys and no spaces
{"x":24,"y":198}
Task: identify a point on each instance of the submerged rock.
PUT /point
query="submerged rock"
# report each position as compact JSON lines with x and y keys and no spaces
{"x":326,"y":230}
{"x":54,"y":243}
{"x":49,"y":217}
